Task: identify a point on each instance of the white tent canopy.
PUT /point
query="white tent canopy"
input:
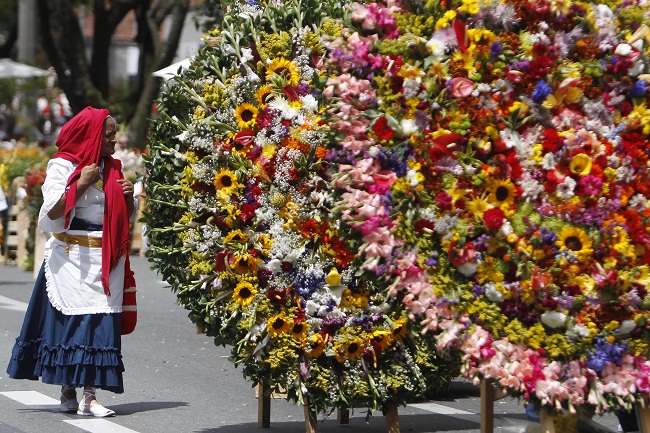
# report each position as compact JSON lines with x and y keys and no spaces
{"x":172,"y":70}
{"x":11,"y":69}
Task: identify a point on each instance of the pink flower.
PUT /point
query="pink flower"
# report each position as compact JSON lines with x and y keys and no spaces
{"x":461,"y":87}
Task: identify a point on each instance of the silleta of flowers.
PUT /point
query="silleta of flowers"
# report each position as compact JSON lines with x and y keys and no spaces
{"x":484,"y":164}
{"x":265,"y":256}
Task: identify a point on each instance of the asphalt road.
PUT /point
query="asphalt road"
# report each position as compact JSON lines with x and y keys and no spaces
{"x":179,"y":381}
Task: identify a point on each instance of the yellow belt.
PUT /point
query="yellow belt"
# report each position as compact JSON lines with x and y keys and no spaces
{"x":82,"y":241}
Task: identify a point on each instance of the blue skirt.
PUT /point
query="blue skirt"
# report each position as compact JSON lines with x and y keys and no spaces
{"x":80,"y":350}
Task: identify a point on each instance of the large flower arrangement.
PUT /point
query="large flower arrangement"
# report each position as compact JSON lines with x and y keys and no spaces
{"x":267,"y":259}
{"x":518,"y":135}
{"x":484,"y":164}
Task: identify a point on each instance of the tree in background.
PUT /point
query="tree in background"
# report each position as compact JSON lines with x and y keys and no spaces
{"x":8,"y":26}
{"x":83,"y":70}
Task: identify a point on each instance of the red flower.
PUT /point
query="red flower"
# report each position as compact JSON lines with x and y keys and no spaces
{"x":382,"y":130}
{"x":493,"y":218}
{"x":247,"y":212}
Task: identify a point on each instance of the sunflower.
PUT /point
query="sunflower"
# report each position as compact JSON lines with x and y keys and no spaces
{"x":236,"y":236}
{"x":400,"y":329}
{"x":226,"y":182}
{"x":244,"y":293}
{"x":245,"y":115}
{"x":279,"y":324}
{"x":284,"y":68}
{"x":299,"y":332}
{"x":501,"y":191}
{"x":381,"y":339}
{"x":350,"y":349}
{"x":576,"y":241}
{"x":245,"y":264}
{"x":263,"y":95}
{"x":315,"y":345}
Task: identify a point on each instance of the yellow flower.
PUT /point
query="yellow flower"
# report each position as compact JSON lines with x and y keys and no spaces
{"x":575,"y":240}
{"x":285,"y":69}
{"x":333,"y":277}
{"x":244,"y":293}
{"x":477,"y":207}
{"x":246,"y":264}
{"x":580,"y":164}
{"x":381,"y":338}
{"x":401,"y":328}
{"x":263,"y":95}
{"x":226,"y":182}
{"x":315,"y":346}
{"x":501,"y":191}
{"x":351,"y":349}
{"x":245,"y":115}
{"x":279,"y":324}
{"x":299,"y":332}
{"x":236,"y":236}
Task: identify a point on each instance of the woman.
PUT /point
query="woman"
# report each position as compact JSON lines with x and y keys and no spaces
{"x":71,"y":335}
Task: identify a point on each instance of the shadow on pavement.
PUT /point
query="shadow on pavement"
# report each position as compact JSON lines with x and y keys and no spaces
{"x":408,"y":423}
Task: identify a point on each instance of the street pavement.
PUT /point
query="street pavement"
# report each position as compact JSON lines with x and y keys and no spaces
{"x":178,"y":381}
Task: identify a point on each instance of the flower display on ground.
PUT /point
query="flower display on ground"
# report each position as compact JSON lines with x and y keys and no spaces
{"x":479,"y":168}
{"x":267,"y":259}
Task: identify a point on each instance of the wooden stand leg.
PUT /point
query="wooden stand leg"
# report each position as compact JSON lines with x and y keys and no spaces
{"x":487,"y":407}
{"x":263,"y":405}
{"x":343,"y":416}
{"x":643,"y":418}
{"x":311,"y":423}
{"x":546,"y":420}
{"x":392,"y":420}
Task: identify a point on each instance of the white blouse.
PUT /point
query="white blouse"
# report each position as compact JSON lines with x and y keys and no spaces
{"x":74,"y":279}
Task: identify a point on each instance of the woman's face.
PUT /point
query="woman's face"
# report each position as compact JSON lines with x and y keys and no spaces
{"x":108,"y":138}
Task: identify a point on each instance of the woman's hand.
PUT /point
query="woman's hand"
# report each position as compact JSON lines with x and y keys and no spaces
{"x":127,"y":190}
{"x":89,"y":175}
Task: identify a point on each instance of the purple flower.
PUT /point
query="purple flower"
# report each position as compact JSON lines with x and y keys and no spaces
{"x":639,"y":88}
{"x":496,"y":48}
{"x":542,"y":90}
{"x":605,"y":352}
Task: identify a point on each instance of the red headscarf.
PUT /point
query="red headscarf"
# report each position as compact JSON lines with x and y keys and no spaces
{"x":80,"y":142}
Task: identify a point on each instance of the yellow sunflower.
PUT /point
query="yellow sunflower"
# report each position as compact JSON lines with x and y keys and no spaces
{"x":246,"y":115}
{"x":236,"y":236}
{"x":279,"y":324}
{"x":244,"y":293}
{"x":350,"y":349}
{"x":285,"y":69}
{"x":315,"y":346}
{"x":401,"y":328}
{"x":263,"y":95}
{"x":226,"y":182}
{"x":381,"y":339}
{"x":501,"y":191}
{"x":245,"y":264}
{"x":576,"y":241}
{"x":299,"y":332}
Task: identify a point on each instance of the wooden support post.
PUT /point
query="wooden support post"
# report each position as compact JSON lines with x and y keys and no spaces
{"x":643,"y":418}
{"x":343,"y":416}
{"x":546,"y":421}
{"x":311,"y":422}
{"x":22,"y":232}
{"x":392,"y":420}
{"x":39,"y":250}
{"x":487,"y":407}
{"x":263,"y":405}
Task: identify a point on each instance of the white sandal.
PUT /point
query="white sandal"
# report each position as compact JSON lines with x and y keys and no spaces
{"x":92,"y":409}
{"x":68,"y":404}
